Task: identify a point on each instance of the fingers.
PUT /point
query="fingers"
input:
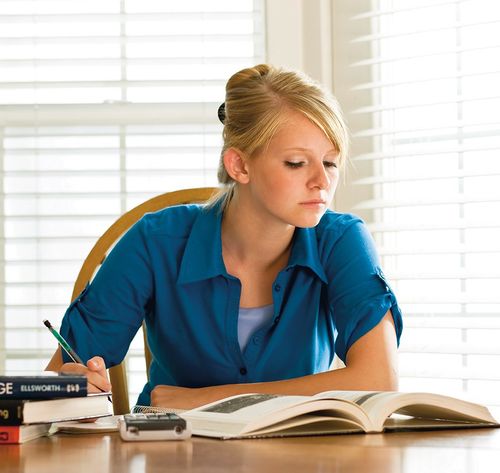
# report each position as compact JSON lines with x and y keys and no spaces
{"x":98,"y":375}
{"x":160,"y":395}
{"x":73,"y":368}
{"x":98,"y":365}
{"x":95,"y":371}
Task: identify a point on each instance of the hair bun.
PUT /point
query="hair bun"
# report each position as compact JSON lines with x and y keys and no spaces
{"x":248,"y":77}
{"x":262,"y":69}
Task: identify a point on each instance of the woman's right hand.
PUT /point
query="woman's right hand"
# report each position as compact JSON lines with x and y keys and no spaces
{"x":95,"y":371}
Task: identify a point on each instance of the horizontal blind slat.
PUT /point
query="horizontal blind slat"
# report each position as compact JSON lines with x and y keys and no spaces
{"x":451,"y":224}
{"x":458,"y":199}
{"x":372,"y":86}
{"x":369,"y":181}
{"x":91,"y":18}
{"x":111,"y":114}
{"x":450,"y":249}
{"x":193,"y":83}
{"x":451,"y":349}
{"x":452,"y":373}
{"x":377,"y":60}
{"x":375,"y":13}
{"x":452,"y":321}
{"x":458,"y":130}
{"x":428,"y":151}
{"x":411,"y":32}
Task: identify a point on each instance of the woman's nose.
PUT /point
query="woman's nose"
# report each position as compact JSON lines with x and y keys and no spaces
{"x":319,"y":177}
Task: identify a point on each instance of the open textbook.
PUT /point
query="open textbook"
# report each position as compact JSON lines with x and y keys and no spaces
{"x":333,"y":412}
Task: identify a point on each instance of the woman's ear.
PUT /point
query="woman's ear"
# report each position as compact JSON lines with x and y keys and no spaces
{"x":236,"y":165}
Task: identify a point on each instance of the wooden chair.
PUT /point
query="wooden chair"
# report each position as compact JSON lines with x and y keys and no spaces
{"x":97,"y":255}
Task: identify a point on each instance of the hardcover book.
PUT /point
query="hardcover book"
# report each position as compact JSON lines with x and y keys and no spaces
{"x":47,"y":385}
{"x":334,"y":412}
{"x":33,"y":411}
{"x":22,"y":433}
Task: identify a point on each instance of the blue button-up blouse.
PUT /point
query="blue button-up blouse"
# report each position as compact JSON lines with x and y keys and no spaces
{"x":168,"y":270}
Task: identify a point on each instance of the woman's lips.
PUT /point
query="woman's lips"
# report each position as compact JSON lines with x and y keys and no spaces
{"x":313,"y":202}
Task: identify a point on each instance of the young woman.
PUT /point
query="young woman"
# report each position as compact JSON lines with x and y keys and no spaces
{"x":257,"y":291}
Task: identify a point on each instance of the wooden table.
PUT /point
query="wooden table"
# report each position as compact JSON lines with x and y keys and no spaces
{"x":471,"y":451}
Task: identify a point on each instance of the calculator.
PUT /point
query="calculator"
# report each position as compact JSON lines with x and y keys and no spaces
{"x":139,"y":427}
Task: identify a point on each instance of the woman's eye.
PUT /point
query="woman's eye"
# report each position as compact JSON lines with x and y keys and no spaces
{"x":330,"y":164}
{"x":294,"y":164}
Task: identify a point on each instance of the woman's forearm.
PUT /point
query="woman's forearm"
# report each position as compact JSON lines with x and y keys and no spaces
{"x":371,"y":366}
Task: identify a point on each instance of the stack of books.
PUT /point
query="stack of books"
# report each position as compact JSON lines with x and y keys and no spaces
{"x":30,"y":404}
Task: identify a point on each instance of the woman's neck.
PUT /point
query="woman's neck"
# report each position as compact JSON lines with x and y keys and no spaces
{"x":249,"y":238}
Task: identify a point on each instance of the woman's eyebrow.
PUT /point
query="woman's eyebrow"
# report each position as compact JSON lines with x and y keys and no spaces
{"x":299,"y":148}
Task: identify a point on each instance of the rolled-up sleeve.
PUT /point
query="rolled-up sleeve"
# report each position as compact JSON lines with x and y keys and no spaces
{"x":359,"y":294}
{"x":104,"y":318}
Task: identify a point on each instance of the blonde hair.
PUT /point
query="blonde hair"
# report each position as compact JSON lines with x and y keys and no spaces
{"x":254,"y":109}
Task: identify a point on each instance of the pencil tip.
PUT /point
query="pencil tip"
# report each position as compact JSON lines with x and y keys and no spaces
{"x":47,"y":323}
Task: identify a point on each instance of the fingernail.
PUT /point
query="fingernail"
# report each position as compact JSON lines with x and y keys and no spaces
{"x":96,"y":364}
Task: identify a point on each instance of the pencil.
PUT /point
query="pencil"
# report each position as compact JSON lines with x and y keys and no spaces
{"x":64,"y":344}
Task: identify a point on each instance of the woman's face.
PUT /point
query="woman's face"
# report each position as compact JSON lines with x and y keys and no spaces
{"x":294,"y":179}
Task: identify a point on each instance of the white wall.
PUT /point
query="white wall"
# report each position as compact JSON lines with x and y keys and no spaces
{"x":299,"y":36}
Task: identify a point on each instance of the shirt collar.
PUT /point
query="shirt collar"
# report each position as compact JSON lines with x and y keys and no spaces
{"x":305,"y":252}
{"x":202,"y":258}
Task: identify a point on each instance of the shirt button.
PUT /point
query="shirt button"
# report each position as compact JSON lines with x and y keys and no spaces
{"x":277,"y":287}
{"x":256,"y":340}
{"x":243,"y":371}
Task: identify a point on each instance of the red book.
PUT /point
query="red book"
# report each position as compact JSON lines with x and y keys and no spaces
{"x":22,"y":433}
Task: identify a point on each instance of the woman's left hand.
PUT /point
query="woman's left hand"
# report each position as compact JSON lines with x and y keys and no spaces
{"x":182,"y":398}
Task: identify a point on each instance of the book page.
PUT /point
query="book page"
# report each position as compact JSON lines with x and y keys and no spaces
{"x":358,"y":397}
{"x":381,"y":405}
{"x":250,"y":412}
{"x":402,"y":423}
{"x":238,"y":403}
{"x":138,"y":409}
{"x":101,"y":425}
{"x":246,"y":407}
{"x":309,"y":425}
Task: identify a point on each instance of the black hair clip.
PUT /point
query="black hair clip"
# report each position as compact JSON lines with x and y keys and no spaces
{"x":221,"y":112}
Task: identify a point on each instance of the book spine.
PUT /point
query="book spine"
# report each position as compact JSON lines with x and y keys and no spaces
{"x":39,"y":388}
{"x":9,"y":434}
{"x":11,"y":412}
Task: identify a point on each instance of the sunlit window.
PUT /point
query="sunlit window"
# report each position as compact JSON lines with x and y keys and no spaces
{"x":429,"y":130}
{"x":103,"y":104}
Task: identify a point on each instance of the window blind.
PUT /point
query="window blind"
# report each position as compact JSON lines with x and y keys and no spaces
{"x":424,"y":113}
{"x":102,"y":106}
